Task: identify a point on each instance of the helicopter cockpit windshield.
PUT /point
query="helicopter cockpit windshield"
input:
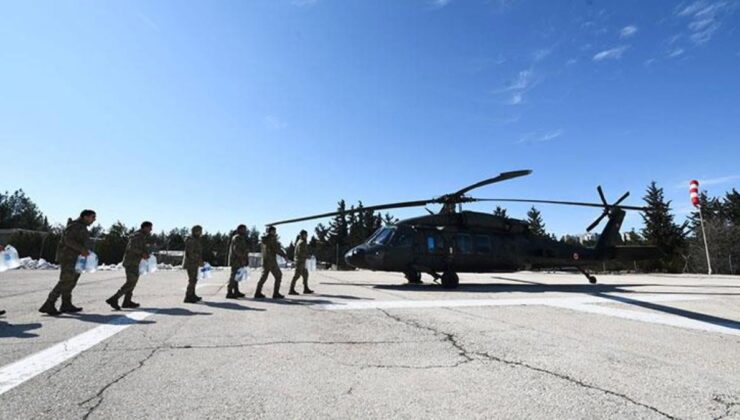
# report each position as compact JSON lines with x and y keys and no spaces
{"x":382,"y":236}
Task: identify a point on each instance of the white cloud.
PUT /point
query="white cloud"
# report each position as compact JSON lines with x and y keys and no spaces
{"x":628,"y":31}
{"x":675,"y":52}
{"x":611,"y":54}
{"x":708,"y":182}
{"x":440,"y":3}
{"x":540,"y":136}
{"x":704,"y":18}
{"x":523,"y":83}
{"x":274,"y":123}
{"x":541,"y":54}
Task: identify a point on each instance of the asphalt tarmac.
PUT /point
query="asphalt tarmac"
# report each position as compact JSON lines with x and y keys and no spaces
{"x":367,"y":345}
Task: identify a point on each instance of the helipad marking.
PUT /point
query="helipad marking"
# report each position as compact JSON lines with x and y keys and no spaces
{"x":457,"y":303}
{"x":19,"y":372}
{"x":581,"y":304}
{"x":651,"y":317}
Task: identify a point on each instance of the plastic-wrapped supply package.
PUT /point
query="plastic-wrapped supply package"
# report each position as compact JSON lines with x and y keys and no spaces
{"x":205,"y":272}
{"x":148,"y":266}
{"x":311,"y":263}
{"x":87,"y":264}
{"x":9,"y":259}
{"x":242,"y":274}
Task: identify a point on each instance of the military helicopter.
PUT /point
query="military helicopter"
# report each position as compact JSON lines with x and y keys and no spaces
{"x":454,"y":241}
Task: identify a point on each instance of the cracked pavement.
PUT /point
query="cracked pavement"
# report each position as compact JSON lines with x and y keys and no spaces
{"x":267,"y":359}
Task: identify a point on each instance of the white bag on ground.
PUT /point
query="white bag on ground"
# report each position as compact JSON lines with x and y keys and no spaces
{"x":9,"y":259}
{"x":87,"y":264}
{"x":148,"y":266}
{"x":311,"y":263}
{"x":205,"y":272}
{"x":242,"y":274}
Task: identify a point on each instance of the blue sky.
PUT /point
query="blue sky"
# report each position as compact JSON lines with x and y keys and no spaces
{"x":224,"y":112}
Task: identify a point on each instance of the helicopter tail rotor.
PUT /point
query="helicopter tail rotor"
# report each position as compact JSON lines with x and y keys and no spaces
{"x":609,"y":209}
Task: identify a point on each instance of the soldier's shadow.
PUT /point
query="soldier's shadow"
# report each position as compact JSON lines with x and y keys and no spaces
{"x":231,"y":306}
{"x":174,"y":311}
{"x":118,"y":318}
{"x":8,"y":330}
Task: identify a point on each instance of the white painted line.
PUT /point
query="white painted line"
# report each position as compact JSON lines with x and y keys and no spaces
{"x":650,"y":317}
{"x":449,"y":303}
{"x":18,"y":372}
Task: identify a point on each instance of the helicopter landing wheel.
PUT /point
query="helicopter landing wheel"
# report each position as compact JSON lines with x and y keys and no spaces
{"x":450,"y":280}
{"x":413,"y":277}
{"x":592,"y":279}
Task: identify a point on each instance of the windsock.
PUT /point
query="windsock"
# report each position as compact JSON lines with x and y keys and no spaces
{"x":694,"y":192}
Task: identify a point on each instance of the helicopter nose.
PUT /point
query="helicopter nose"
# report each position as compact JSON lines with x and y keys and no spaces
{"x":355,"y":257}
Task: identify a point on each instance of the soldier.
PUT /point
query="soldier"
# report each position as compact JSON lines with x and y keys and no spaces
{"x":270,"y":251}
{"x":238,"y":258}
{"x":301,"y":255}
{"x":75,"y":243}
{"x":136,"y":250}
{"x":192,"y":263}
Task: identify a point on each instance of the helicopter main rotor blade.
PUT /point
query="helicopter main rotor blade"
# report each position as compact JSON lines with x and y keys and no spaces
{"x":504,"y":176}
{"x":566,"y":203}
{"x":596,"y":222}
{"x":419,"y":203}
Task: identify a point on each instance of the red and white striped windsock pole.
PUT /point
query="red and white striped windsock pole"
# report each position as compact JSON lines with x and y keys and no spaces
{"x":694,"y":192}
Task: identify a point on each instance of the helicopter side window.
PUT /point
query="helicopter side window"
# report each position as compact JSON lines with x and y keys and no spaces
{"x":464,"y":243}
{"x":435,"y":243}
{"x":482,"y":244}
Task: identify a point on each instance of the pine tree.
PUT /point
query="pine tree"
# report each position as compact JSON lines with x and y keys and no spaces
{"x":500,"y":211}
{"x":661,"y":230}
{"x":536,"y":224}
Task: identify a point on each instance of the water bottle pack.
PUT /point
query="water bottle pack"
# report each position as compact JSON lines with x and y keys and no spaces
{"x":242,"y":274}
{"x":148,"y":266}
{"x":311,"y":263}
{"x":87,"y":264}
{"x":204,"y":272}
{"x":9,"y":259}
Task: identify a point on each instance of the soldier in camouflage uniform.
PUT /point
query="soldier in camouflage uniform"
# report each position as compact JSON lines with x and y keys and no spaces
{"x":270,"y":250}
{"x":238,"y":258}
{"x":75,"y":242}
{"x":192,"y":263}
{"x":136,"y":250}
{"x":301,"y":255}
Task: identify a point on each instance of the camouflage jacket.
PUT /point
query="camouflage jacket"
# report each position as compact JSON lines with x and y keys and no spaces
{"x":136,"y":249}
{"x":301,"y":252}
{"x":271,"y":248}
{"x":75,"y":240}
{"x":239,"y":251}
{"x":193,"y":253}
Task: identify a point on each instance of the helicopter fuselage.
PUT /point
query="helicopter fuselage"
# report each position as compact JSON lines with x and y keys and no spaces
{"x":466,"y":242}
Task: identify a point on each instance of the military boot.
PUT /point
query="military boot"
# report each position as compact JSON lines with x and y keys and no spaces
{"x":277,"y":295}
{"x":230,"y":291}
{"x":128,"y":303}
{"x":292,"y":290}
{"x":68,"y":307}
{"x":237,"y":292}
{"x":2,"y":312}
{"x":113,"y":302}
{"x":190,"y":299}
{"x":49,"y":307}
{"x":307,"y":291}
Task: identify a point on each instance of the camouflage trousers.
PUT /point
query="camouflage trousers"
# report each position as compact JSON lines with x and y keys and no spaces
{"x":68,"y":278}
{"x":300,"y":271}
{"x":268,"y":269}
{"x":192,"y":280}
{"x":132,"y":277}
